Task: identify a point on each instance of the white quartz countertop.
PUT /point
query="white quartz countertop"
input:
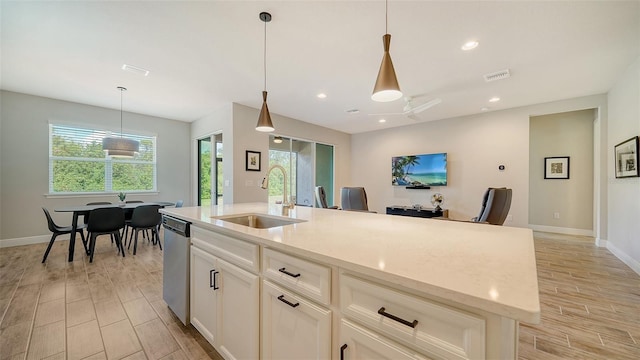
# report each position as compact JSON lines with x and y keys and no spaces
{"x":488,"y":267}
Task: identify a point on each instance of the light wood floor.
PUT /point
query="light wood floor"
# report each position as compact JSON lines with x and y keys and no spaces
{"x":113,"y":308}
{"x":590,"y":303}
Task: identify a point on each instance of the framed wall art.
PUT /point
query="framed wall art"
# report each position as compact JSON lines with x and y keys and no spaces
{"x":556,"y":167}
{"x":626,"y":158}
{"x":252,"y":161}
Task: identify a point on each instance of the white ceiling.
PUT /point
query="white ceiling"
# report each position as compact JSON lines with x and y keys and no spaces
{"x":205,"y":54}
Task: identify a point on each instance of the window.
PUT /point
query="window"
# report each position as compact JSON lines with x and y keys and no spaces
{"x":77,"y":163}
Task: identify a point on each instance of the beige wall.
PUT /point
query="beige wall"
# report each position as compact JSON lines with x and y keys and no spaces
{"x":24,"y":149}
{"x":476,"y":145}
{"x":238,"y":122}
{"x":624,"y":194}
{"x":565,"y":134}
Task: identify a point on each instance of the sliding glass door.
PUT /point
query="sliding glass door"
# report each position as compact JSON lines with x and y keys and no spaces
{"x":307,"y":164}
{"x":210,"y":170}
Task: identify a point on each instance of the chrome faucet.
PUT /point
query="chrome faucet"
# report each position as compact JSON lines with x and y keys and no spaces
{"x":265,"y":185}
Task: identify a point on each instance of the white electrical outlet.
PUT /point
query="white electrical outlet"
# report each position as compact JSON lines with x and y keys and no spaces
{"x":556,"y":215}
{"x":226,"y":183}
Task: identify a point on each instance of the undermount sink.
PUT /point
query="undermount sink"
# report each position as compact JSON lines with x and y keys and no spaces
{"x":259,"y":221}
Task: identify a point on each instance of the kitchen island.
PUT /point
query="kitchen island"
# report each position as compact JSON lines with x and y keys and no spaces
{"x":342,"y":285}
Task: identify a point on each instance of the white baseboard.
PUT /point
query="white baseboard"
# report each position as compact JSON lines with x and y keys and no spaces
{"x":601,"y":242}
{"x":631,"y":262}
{"x":27,"y":240}
{"x":561,"y":230}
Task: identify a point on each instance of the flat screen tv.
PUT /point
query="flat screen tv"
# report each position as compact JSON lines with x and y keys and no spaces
{"x":419,"y":170}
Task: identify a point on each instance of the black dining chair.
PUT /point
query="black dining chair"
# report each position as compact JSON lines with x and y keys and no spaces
{"x":145,"y":217}
{"x":60,"y":230}
{"x":86,"y":216}
{"x":104,"y":221}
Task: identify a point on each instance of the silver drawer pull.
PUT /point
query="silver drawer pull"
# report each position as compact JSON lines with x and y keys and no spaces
{"x":402,"y":321}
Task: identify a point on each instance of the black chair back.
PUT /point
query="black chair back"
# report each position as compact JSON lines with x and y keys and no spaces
{"x":146,"y":216}
{"x":103,"y":220}
{"x":86,"y":215}
{"x":52,"y":225}
{"x":134,"y":201}
{"x":354,"y":198}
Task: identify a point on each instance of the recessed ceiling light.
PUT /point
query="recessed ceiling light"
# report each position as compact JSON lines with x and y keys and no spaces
{"x":494,"y":99}
{"x":322,"y":96}
{"x":135,"y":69}
{"x":382,"y":121}
{"x":353,"y":111}
{"x":470,"y":45}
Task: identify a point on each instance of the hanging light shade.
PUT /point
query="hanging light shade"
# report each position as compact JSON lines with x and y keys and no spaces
{"x":119,"y":146}
{"x":386,"y":88}
{"x":277,"y":139}
{"x":264,"y":120}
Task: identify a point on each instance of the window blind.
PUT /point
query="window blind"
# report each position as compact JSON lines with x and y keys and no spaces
{"x":77,"y":163}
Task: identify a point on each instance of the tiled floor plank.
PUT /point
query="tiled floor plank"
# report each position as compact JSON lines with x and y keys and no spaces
{"x":120,"y":340}
{"x":47,"y":340}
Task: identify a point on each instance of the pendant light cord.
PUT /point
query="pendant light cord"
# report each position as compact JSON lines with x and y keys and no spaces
{"x":265,"y":56}
{"x":386,"y":17}
{"x":121,"y":90}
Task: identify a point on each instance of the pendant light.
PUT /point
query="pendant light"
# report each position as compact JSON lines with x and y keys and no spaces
{"x":119,"y":146}
{"x":387,"y":88}
{"x":264,"y":120}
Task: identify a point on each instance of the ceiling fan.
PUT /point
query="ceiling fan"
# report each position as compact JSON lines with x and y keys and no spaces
{"x":411,"y":107}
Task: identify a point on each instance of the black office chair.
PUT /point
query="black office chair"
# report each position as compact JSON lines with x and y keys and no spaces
{"x":496,"y":203}
{"x":59,"y":230}
{"x":354,"y":199}
{"x":104,"y":221}
{"x":145,"y":217}
{"x":321,"y":198}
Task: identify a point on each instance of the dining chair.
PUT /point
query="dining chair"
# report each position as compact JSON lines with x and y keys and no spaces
{"x":86,"y":216}
{"x":59,"y":230}
{"x":104,"y":221}
{"x":179,"y":203}
{"x":145,"y":217}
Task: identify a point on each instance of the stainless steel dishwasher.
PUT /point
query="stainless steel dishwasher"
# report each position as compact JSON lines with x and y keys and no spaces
{"x":175,"y":271}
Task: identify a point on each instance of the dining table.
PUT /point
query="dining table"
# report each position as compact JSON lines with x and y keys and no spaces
{"x":83,"y":210}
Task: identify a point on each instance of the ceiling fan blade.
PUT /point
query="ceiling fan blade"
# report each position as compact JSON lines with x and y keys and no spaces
{"x":425,"y":106}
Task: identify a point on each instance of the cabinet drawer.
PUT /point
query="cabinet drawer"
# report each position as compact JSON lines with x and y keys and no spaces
{"x":292,"y":327}
{"x":237,"y":252}
{"x":359,"y":343}
{"x":304,"y":277}
{"x":437,"y":330}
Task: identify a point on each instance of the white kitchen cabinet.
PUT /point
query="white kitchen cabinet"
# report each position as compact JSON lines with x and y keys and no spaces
{"x":359,"y":343}
{"x":292,"y":327}
{"x":239,"y":324}
{"x":225,"y":305}
{"x":203,"y":301}
{"x":432,"y":328}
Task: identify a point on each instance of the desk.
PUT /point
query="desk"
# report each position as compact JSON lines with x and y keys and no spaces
{"x":85,"y":209}
{"x":410,"y":211}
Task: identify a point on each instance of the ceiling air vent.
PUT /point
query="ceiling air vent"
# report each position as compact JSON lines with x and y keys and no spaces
{"x":498,"y":75}
{"x":135,"y":70}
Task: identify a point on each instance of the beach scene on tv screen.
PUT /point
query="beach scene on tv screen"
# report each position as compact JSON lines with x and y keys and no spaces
{"x":419,"y":170}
